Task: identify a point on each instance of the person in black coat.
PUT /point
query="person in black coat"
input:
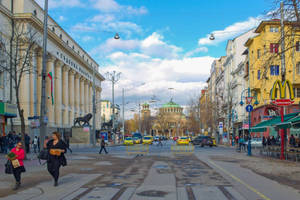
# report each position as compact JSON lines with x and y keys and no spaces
{"x":102,"y":143}
{"x":56,"y":149}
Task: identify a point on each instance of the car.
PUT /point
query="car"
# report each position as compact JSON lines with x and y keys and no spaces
{"x":214,"y":141}
{"x":128,"y":141}
{"x":183,"y":141}
{"x":255,"y":142}
{"x":147,"y":140}
{"x":203,"y":141}
{"x":138,"y":135}
{"x":175,"y":138}
{"x":156,"y":138}
{"x":136,"y":140}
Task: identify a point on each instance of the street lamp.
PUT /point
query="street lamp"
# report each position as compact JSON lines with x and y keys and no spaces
{"x":114,"y":77}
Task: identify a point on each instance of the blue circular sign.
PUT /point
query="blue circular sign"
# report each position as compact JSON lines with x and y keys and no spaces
{"x":249,"y":108}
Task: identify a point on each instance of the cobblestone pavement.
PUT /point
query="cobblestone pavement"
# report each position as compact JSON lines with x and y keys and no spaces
{"x":158,"y":175}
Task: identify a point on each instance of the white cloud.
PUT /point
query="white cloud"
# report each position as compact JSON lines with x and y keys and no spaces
{"x":60,"y":3}
{"x":143,"y":76}
{"x":84,"y":27}
{"x":195,"y":51}
{"x":61,"y":18}
{"x":111,"y":6}
{"x":231,"y":31}
{"x":87,"y":38}
{"x":152,"y":46}
{"x":103,"y":18}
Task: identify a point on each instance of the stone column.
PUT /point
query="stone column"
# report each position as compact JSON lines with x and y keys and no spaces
{"x":33,"y":85}
{"x":91,"y":98}
{"x":76,"y":94}
{"x":71,"y":96}
{"x":98,"y":108}
{"x":86,"y":97}
{"x":82,"y":95}
{"x":50,"y":107}
{"x":65,"y":94}
{"x":58,"y":93}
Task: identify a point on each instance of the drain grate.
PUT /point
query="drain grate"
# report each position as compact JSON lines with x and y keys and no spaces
{"x":153,"y":193}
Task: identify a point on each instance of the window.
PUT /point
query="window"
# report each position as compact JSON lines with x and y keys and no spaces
{"x":60,"y":35}
{"x":258,"y":53}
{"x":298,"y":68}
{"x":53,"y":29}
{"x":274,"y":47}
{"x":67,"y":41}
{"x":298,"y":46}
{"x":274,"y":70}
{"x":274,"y":29}
{"x":297,"y":92}
{"x":34,"y":13}
{"x":258,"y":74}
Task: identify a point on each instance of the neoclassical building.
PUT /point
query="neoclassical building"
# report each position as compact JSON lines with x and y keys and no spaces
{"x":70,"y":93}
{"x":170,"y":120}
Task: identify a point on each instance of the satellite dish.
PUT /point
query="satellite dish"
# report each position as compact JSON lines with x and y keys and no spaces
{"x":212,"y":37}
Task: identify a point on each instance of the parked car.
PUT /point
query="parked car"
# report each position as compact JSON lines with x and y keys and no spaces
{"x":136,"y":140}
{"x":203,"y":141}
{"x":255,"y":142}
{"x":128,"y":141}
{"x":183,"y":141}
{"x":147,"y":140}
{"x":138,"y":135}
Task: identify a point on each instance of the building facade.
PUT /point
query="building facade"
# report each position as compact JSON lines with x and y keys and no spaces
{"x":70,"y":70}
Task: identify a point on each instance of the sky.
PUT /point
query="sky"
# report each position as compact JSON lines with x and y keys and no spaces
{"x":164,"y":49}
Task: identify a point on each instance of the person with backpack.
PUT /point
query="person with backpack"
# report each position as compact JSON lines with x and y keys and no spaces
{"x":103,"y":146}
{"x":56,"y":158}
{"x":17,"y":162}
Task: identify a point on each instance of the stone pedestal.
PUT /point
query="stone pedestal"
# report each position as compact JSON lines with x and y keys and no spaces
{"x":79,"y":136}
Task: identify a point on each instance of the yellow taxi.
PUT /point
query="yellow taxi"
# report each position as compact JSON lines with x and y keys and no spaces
{"x":128,"y":141}
{"x":183,"y":141}
{"x":214,"y":141}
{"x":136,"y":140}
{"x":147,"y":140}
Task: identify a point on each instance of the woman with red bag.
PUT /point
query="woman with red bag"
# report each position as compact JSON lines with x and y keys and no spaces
{"x":17,"y":162}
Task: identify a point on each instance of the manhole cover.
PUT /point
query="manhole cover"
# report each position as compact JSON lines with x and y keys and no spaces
{"x":152,"y":193}
{"x":161,"y":166}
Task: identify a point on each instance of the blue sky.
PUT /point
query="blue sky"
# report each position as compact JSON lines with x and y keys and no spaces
{"x":164,"y":43}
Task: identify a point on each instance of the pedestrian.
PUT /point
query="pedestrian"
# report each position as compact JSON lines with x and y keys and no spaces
{"x":160,"y":141}
{"x":292,"y":141}
{"x":56,"y":148}
{"x":35,"y":143}
{"x":45,"y":142}
{"x":18,"y":165}
{"x":273,"y":141}
{"x":27,"y":143}
{"x":264,"y":142}
{"x":103,"y":146}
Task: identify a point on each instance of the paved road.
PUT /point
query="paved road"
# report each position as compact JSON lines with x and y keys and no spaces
{"x":154,"y":173}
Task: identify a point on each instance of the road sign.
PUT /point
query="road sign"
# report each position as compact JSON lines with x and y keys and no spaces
{"x":221,"y":125}
{"x":283,"y":102}
{"x":249,"y":108}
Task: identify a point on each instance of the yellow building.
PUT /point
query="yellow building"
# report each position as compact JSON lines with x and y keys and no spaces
{"x":264,"y":63}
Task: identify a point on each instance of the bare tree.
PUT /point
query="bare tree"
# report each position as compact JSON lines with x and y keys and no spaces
{"x":193,"y":122}
{"x":22,"y":44}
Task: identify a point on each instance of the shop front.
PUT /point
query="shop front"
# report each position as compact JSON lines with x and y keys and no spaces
{"x":7,"y":111}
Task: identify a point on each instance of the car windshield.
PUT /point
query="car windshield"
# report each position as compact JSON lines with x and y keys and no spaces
{"x":128,"y":138}
{"x":147,"y":138}
{"x":184,"y":138}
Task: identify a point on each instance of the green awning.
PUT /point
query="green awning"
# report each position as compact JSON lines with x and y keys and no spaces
{"x":262,"y":127}
{"x":295,"y":121}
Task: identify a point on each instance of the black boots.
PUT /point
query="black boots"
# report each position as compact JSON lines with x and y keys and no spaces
{"x":18,"y":184}
{"x":55,"y":183}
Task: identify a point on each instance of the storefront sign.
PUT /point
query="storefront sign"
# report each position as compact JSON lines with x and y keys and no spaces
{"x":282,"y":89}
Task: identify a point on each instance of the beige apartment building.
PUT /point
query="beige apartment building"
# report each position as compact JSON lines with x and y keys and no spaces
{"x":71,"y":67}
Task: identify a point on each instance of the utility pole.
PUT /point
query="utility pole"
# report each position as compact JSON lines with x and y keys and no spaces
{"x":43,"y":92}
{"x":93,"y":132}
{"x":123,"y":113}
{"x":282,"y":108}
{"x":114,"y":78}
{"x":11,"y":60}
{"x":139,"y":116}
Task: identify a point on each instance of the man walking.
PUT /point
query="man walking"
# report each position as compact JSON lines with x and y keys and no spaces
{"x":102,"y":145}
{"x":35,"y":143}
